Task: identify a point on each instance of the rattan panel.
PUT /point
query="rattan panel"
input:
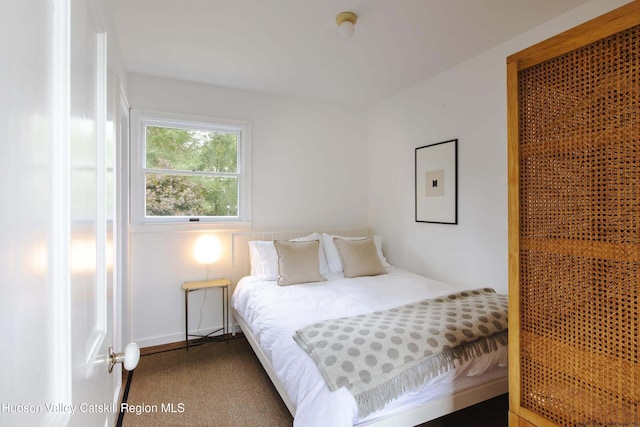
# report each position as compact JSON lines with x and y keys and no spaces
{"x":579,"y":132}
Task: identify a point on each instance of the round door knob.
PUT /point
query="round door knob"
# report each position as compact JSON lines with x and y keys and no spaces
{"x":129,"y":358}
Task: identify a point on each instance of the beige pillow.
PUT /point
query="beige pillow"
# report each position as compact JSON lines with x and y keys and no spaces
{"x":359,"y":257}
{"x":298,"y":262}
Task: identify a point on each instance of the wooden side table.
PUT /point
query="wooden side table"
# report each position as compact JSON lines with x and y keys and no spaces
{"x":222,"y":284}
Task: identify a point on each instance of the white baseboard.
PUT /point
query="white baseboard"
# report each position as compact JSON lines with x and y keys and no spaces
{"x":173,"y":338}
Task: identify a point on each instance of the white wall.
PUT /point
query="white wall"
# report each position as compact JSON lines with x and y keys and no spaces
{"x":309,"y":171}
{"x":467,"y":102}
{"x":25,"y":221}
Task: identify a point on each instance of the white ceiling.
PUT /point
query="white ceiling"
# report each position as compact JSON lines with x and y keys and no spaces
{"x":292,"y":47}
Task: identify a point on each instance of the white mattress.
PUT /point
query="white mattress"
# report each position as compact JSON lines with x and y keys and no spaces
{"x":275,"y":312}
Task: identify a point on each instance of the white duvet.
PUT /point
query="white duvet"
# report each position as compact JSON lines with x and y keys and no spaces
{"x":275,"y":312}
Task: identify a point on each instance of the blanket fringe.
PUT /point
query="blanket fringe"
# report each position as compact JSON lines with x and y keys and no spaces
{"x":415,"y":376}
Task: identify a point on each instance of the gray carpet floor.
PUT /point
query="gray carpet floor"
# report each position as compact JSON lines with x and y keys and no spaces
{"x":222,"y":384}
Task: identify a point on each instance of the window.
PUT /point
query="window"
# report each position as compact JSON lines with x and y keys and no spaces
{"x":189,"y":169}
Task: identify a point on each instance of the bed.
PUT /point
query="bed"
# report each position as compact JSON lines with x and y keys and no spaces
{"x":271,"y":315}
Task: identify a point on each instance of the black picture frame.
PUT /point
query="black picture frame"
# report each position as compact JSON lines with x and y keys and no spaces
{"x":436,"y":183}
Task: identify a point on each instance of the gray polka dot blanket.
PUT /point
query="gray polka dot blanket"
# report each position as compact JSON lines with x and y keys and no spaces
{"x":381,"y":355}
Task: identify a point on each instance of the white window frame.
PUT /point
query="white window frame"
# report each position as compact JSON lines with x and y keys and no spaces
{"x":142,"y":118}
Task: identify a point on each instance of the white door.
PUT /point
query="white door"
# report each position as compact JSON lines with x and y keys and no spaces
{"x":121,"y":231}
{"x":91,"y":196}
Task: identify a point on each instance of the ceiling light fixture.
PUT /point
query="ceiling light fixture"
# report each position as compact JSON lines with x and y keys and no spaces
{"x":346,"y":24}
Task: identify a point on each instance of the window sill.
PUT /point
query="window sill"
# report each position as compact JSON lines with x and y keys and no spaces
{"x":170,"y":227}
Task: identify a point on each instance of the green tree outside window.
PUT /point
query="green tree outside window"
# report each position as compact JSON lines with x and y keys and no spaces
{"x":191,"y":172}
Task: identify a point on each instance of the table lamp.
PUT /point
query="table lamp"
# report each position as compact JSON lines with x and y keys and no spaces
{"x":207,"y":250}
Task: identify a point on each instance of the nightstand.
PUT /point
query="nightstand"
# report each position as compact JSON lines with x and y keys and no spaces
{"x":223,"y":285}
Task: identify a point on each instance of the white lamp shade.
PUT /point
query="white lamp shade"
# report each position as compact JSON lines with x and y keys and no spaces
{"x":207,"y":249}
{"x":346,"y":29}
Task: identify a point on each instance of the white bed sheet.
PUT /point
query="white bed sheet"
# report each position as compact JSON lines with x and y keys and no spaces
{"x":275,"y":312}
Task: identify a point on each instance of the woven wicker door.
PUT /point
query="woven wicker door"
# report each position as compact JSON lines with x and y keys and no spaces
{"x":574,"y":226}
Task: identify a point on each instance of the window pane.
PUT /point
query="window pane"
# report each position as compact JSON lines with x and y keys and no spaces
{"x":180,"y":195}
{"x":192,"y":150}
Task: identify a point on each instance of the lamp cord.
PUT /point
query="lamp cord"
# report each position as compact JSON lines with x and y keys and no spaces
{"x":206,"y":266}
{"x":204,"y":297}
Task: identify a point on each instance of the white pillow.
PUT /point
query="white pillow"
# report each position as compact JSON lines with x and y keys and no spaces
{"x":264,"y":258}
{"x":333,"y":256}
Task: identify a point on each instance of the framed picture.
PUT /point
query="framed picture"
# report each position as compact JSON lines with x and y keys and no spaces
{"x":437,"y":183}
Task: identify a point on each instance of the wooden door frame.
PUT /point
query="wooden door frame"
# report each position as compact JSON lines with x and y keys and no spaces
{"x":613,"y":22}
